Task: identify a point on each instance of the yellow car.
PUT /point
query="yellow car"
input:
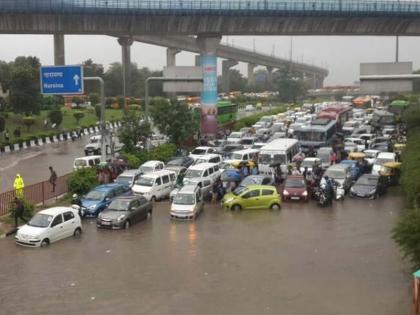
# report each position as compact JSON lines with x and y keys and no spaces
{"x":252,"y":197}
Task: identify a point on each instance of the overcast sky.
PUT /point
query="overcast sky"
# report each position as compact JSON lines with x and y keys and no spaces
{"x":341,"y":55}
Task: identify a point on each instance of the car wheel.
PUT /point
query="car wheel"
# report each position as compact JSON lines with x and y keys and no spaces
{"x":127,"y":225}
{"x":236,"y":208}
{"x":45,"y":242}
{"x":77,"y":232}
{"x":275,"y":206}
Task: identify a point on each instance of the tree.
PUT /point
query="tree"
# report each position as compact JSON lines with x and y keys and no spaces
{"x":290,"y":85}
{"x":28,"y":121}
{"x":24,"y":85}
{"x":91,"y":69}
{"x":134,"y":130}
{"x":174,"y":119}
{"x":94,"y":99}
{"x":56,"y":117}
{"x":78,"y":115}
{"x":2,"y":124}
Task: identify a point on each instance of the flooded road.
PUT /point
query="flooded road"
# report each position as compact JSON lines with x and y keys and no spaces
{"x":300,"y":260}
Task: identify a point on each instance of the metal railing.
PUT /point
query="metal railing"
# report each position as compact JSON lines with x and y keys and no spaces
{"x":215,"y":7}
{"x":37,"y":193}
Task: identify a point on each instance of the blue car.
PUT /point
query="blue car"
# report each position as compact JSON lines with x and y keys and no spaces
{"x":355,"y":169}
{"x":100,"y":197}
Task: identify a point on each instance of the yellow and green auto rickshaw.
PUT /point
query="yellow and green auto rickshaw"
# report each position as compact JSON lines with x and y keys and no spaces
{"x":357,"y":156}
{"x":391,"y":171}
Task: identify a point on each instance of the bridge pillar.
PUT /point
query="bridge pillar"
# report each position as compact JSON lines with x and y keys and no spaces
{"x":270,"y":76}
{"x":126,"y":43}
{"x":251,"y":75}
{"x":171,"y":56}
{"x":208,"y":47}
{"x":226,"y":65}
{"x":197,"y":60}
{"x":59,"y":50}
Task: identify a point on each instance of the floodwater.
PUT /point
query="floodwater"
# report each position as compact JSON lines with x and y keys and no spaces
{"x":300,"y":260}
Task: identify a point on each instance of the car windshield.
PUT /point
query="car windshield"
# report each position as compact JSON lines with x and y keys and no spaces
{"x":366,"y":181}
{"x":184,"y":199}
{"x":235,"y":135}
{"x":145,"y":181}
{"x":40,"y":220}
{"x":199,"y":161}
{"x":146,"y":169}
{"x":382,"y":161}
{"x":119,"y":205}
{"x":236,"y":156}
{"x":95,"y":195}
{"x":250,"y":181}
{"x":336,"y":174}
{"x":123,"y":179}
{"x":175,"y":162}
{"x":239,"y":191}
{"x":247,"y":141}
{"x":193,"y":173}
{"x":80,"y":163}
{"x":198,"y":151}
{"x":294,"y":183}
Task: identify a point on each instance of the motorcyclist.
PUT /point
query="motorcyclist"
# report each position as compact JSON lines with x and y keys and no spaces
{"x":328,"y":186}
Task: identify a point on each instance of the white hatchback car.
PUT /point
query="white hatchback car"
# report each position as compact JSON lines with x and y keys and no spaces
{"x":48,"y":226}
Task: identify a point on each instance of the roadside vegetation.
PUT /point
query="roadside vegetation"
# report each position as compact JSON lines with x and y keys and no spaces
{"x":407,"y":231}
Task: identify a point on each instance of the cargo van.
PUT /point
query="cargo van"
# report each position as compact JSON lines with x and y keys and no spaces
{"x":155,"y":186}
{"x":188,"y":203}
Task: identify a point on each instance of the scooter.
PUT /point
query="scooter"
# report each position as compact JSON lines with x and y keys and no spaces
{"x":339,"y":192}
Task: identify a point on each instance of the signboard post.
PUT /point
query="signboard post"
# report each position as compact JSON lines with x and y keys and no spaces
{"x":62,"y":80}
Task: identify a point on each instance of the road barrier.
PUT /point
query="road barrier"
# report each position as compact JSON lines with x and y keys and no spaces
{"x":36,"y":194}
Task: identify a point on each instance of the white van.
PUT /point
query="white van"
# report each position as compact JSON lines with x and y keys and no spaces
{"x":235,"y":137}
{"x":200,"y":151}
{"x":381,"y":159}
{"x":209,"y":171}
{"x":242,"y":156}
{"x":151,"y":166}
{"x":155,"y":186}
{"x":187,"y":204}
{"x":86,"y":161}
{"x":209,"y":158}
{"x":279,"y":151}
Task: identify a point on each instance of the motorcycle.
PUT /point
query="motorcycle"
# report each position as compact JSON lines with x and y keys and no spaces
{"x":322,"y":197}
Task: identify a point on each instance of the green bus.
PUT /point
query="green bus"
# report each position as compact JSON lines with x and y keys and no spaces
{"x":226,"y":113}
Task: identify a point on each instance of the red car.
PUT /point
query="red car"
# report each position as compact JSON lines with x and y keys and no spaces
{"x":295,"y":188}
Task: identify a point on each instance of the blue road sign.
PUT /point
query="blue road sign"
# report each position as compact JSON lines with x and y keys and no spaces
{"x":62,"y":80}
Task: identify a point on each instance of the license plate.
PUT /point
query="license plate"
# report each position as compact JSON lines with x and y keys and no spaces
{"x":295,"y":198}
{"x":106,"y":223}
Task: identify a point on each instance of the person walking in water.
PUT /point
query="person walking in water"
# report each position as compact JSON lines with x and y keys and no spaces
{"x":18,"y":185}
{"x":19,"y":210}
{"x":53,"y":178}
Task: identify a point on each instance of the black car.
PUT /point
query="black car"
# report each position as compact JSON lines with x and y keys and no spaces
{"x":124,"y":211}
{"x":368,"y":186}
{"x":184,"y":161}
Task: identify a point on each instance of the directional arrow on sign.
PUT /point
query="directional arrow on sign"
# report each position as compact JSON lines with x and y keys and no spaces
{"x":76,"y":79}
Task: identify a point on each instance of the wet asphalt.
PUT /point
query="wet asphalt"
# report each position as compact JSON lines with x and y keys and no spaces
{"x":299,"y":260}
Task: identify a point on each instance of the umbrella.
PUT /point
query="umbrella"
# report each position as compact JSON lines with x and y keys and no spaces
{"x":298,"y":157}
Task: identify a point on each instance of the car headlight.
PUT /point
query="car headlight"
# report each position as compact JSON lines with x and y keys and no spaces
{"x":372,"y":192}
{"x":121,"y":217}
{"x":305,"y":193}
{"x":228,"y":200}
{"x":285,"y":192}
{"x":92,"y":207}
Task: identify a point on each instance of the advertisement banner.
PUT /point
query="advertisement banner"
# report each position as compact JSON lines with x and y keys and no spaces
{"x":209,"y":95}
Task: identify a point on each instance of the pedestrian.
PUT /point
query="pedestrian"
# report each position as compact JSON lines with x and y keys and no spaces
{"x":19,"y":211}
{"x":18,"y":185}
{"x":333,"y":158}
{"x":53,"y":178}
{"x":305,"y":172}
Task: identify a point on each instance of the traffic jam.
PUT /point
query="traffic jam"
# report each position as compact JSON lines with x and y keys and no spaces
{"x":320,"y":153}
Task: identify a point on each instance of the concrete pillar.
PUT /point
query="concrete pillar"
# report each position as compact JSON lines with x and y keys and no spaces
{"x":226,"y":65}
{"x":270,"y":76}
{"x":126,"y":43}
{"x":251,"y":75}
{"x":59,"y":50}
{"x":171,"y":56}
{"x":197,"y":60}
{"x":208,"y":47}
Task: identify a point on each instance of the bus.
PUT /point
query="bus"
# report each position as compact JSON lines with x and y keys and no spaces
{"x":318,"y":134}
{"x":277,"y":152}
{"x":339,"y":113}
{"x":226,"y":113}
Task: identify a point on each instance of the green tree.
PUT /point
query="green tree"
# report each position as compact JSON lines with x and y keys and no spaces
{"x":94,"y":99}
{"x":91,"y":69}
{"x":81,"y":181}
{"x":2,"y":124}
{"x":25,"y":94}
{"x":290,"y":85}
{"x":5,"y":75}
{"x":28,"y":121}
{"x":134,"y":129}
{"x":56,"y":117}
{"x":78,"y":115}
{"x":174,"y":119}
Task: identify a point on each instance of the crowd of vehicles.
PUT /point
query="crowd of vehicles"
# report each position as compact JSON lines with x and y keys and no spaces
{"x":325,"y":152}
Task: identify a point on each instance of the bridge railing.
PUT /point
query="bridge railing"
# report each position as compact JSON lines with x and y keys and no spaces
{"x":215,"y":7}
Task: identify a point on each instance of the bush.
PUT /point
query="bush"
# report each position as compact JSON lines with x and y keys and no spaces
{"x":134,"y":107}
{"x":27,"y":213}
{"x":56,"y":117}
{"x":162,"y":152}
{"x":28,"y":121}
{"x":78,"y":115}
{"x":82,"y":181}
{"x":407,"y":235}
{"x":2,"y":124}
{"x":98,"y":111}
{"x":132,"y":160}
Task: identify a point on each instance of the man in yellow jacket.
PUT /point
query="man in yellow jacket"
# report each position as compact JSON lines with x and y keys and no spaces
{"x":18,"y":185}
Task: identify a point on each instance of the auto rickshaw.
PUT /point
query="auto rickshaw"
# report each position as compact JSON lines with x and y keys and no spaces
{"x":391,"y":171}
{"x":357,"y":156}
